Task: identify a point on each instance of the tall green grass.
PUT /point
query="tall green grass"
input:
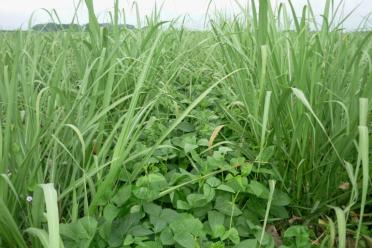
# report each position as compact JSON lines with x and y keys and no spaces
{"x":74,"y":105}
{"x":316,"y":78}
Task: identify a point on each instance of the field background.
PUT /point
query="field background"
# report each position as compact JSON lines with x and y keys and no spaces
{"x":252,"y":134}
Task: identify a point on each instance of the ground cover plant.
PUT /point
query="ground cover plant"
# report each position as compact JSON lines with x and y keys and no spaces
{"x":254,"y":133}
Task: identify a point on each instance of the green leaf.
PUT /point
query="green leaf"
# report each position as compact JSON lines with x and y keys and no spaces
{"x":216,"y":222}
{"x":233,"y":235}
{"x":189,"y":147}
{"x":226,"y":188}
{"x":280,"y":198}
{"x":258,"y":189}
{"x":216,"y":161}
{"x":128,"y":240}
{"x":227,"y":207}
{"x":208,"y":192}
{"x":185,"y":127}
{"x":185,"y":239}
{"x":246,"y":169}
{"x":122,"y":196}
{"x":213,"y":182}
{"x":152,"y":209}
{"x":218,"y":231}
{"x":215,"y":218}
{"x":202,"y":142}
{"x":158,"y":223}
{"x":183,"y":140}
{"x":224,"y":149}
{"x":251,"y":243}
{"x":183,"y":205}
{"x":186,"y":223}
{"x":166,"y":237}
{"x":115,"y":232}
{"x":238,"y":183}
{"x":218,"y":244}
{"x":140,"y":230}
{"x":150,"y":244}
{"x":265,"y":238}
{"x":152,"y":181}
{"x":266,"y":154}
{"x":169,"y":215}
{"x":300,"y":234}
{"x":145,"y":193}
{"x":81,"y":233}
{"x":196,"y":200}
{"x":110,"y":212}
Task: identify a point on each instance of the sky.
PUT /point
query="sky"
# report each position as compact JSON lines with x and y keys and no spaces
{"x":16,"y":14}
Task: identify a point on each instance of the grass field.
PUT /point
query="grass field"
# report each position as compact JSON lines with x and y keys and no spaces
{"x":252,"y":134}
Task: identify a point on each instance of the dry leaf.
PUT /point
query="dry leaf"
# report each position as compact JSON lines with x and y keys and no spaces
{"x":214,"y":135}
{"x":344,"y":186}
{"x":274,"y":233}
{"x":294,"y":219}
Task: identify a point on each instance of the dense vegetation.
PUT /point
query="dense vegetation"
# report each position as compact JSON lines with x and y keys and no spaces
{"x":54,"y":27}
{"x":252,"y":134}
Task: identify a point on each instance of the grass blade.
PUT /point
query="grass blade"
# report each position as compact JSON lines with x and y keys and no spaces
{"x":50,"y":197}
{"x":42,"y":235}
{"x":268,"y":206}
{"x":8,"y":228}
{"x":364,"y":153}
{"x":341,"y":227}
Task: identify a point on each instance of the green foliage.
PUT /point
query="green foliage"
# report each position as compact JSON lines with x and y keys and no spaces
{"x":79,"y":234}
{"x":297,"y":236}
{"x":247,"y":135}
{"x":10,"y":234}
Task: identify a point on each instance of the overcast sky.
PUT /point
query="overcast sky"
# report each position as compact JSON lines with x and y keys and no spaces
{"x":16,"y":13}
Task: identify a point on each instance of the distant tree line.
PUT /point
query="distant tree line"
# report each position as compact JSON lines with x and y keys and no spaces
{"x":52,"y":27}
